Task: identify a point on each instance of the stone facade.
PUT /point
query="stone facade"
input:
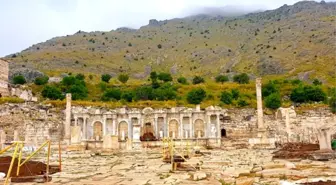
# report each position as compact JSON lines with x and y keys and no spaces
{"x":4,"y":78}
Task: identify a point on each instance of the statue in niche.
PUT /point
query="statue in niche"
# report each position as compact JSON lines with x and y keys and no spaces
{"x":213,"y":131}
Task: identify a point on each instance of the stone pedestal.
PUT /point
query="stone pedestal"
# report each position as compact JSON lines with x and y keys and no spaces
{"x":75,"y":135}
{"x":16,"y":135}
{"x":110,"y":142}
{"x":2,"y":139}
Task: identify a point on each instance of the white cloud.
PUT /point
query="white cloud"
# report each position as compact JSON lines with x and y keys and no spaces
{"x":24,"y":23}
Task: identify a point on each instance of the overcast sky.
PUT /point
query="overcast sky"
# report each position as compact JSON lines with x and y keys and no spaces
{"x":27,"y":22}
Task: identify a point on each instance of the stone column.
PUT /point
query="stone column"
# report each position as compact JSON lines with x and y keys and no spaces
{"x":324,"y":137}
{"x":218,"y":127}
{"x":190,"y":127}
{"x":114,"y":126}
{"x":104,"y":125}
{"x":287,"y":122}
{"x":156,"y":132}
{"x":84,"y":128}
{"x":76,"y":121}
{"x":67,"y":117}
{"x":130,"y":130}
{"x":2,"y":139}
{"x":259,"y":104}
{"x":208,"y":128}
{"x":181,"y":127}
{"x":16,"y":135}
{"x":165,"y":127}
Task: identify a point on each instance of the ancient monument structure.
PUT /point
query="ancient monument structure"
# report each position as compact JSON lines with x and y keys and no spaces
{"x":4,"y":78}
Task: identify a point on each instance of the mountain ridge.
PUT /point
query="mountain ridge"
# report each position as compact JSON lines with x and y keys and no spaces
{"x":286,"y":42}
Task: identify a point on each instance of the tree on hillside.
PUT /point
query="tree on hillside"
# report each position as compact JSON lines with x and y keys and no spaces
{"x":153,"y":76}
{"x":166,"y":77}
{"x":198,"y":80}
{"x":41,"y":80}
{"x":222,"y":78}
{"x":241,"y":78}
{"x":182,"y":80}
{"x":196,"y":96}
{"x":226,"y":97}
{"x":123,"y":78}
{"x":80,"y":76}
{"x":273,"y":101}
{"x":106,"y":77}
{"x":52,"y":93}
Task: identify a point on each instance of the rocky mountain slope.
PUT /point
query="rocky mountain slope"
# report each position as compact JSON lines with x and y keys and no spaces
{"x":291,"y":41}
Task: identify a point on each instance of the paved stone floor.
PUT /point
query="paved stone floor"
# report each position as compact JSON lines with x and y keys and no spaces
{"x":240,"y":167}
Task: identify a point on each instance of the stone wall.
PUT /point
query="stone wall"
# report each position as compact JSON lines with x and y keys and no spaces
{"x":3,"y":78}
{"x":35,"y":123}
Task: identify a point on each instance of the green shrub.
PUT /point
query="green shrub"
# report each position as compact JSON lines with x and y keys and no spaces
{"x":19,"y":79}
{"x":78,"y":91}
{"x":222,"y":78}
{"x":144,"y":93}
{"x":182,"y":80}
{"x":69,"y":80}
{"x":155,"y":84}
{"x":242,"y":102}
{"x":296,"y":82}
{"x":111,"y":94}
{"x":241,"y":78}
{"x":80,"y":76}
{"x":226,"y":97}
{"x":52,"y":92}
{"x":106,"y":78}
{"x":153,"y":76}
{"x":269,"y":89}
{"x":198,"y":80}
{"x":127,"y":96}
{"x":235,"y":93}
{"x":332,"y":104}
{"x":307,"y":93}
{"x":103,"y":86}
{"x":90,"y":77}
{"x":123,"y":78}
{"x":165,"y":92}
{"x":273,"y":101}
{"x":196,"y":96}
{"x":41,"y":80}
{"x":166,"y":77}
{"x":317,"y":82}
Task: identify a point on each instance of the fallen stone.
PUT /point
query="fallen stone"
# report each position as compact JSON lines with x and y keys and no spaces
{"x":199,"y":176}
{"x":244,"y":181}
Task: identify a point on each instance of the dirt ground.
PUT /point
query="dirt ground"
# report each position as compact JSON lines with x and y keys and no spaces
{"x":217,"y":167}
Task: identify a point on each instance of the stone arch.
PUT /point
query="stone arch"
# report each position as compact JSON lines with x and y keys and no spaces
{"x":97,"y":130}
{"x":122,"y":128}
{"x":199,"y":130}
{"x":173,"y":128}
{"x":223,"y":132}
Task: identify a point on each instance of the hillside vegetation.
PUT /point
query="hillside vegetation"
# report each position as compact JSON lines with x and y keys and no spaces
{"x":289,"y":42}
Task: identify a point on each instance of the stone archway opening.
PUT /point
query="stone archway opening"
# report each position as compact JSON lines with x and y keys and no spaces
{"x":199,"y":130}
{"x":147,"y":132}
{"x":123,"y":130}
{"x":98,"y":130}
{"x":223,"y":133}
{"x":173,"y":129}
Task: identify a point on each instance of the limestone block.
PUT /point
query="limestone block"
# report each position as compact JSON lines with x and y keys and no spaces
{"x":199,"y":176}
{"x":110,"y":142}
{"x":244,"y":181}
{"x":75,"y":134}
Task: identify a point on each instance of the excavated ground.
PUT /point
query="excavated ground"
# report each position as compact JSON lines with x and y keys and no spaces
{"x":296,"y":150}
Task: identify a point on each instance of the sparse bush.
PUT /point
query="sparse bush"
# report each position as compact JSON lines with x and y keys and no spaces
{"x":198,"y":80}
{"x":52,"y":93}
{"x":273,"y":101}
{"x":196,"y":96}
{"x":226,"y":97}
{"x":90,"y":77}
{"x":19,"y":79}
{"x":123,"y":78}
{"x":182,"y":80}
{"x":41,"y":80}
{"x":106,"y":78}
{"x":130,"y":44}
{"x":166,"y":77}
{"x":221,"y":79}
{"x":241,"y":78}
{"x":296,"y":82}
{"x":159,"y":46}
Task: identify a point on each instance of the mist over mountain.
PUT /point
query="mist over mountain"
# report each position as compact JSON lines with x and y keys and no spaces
{"x":226,"y":11}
